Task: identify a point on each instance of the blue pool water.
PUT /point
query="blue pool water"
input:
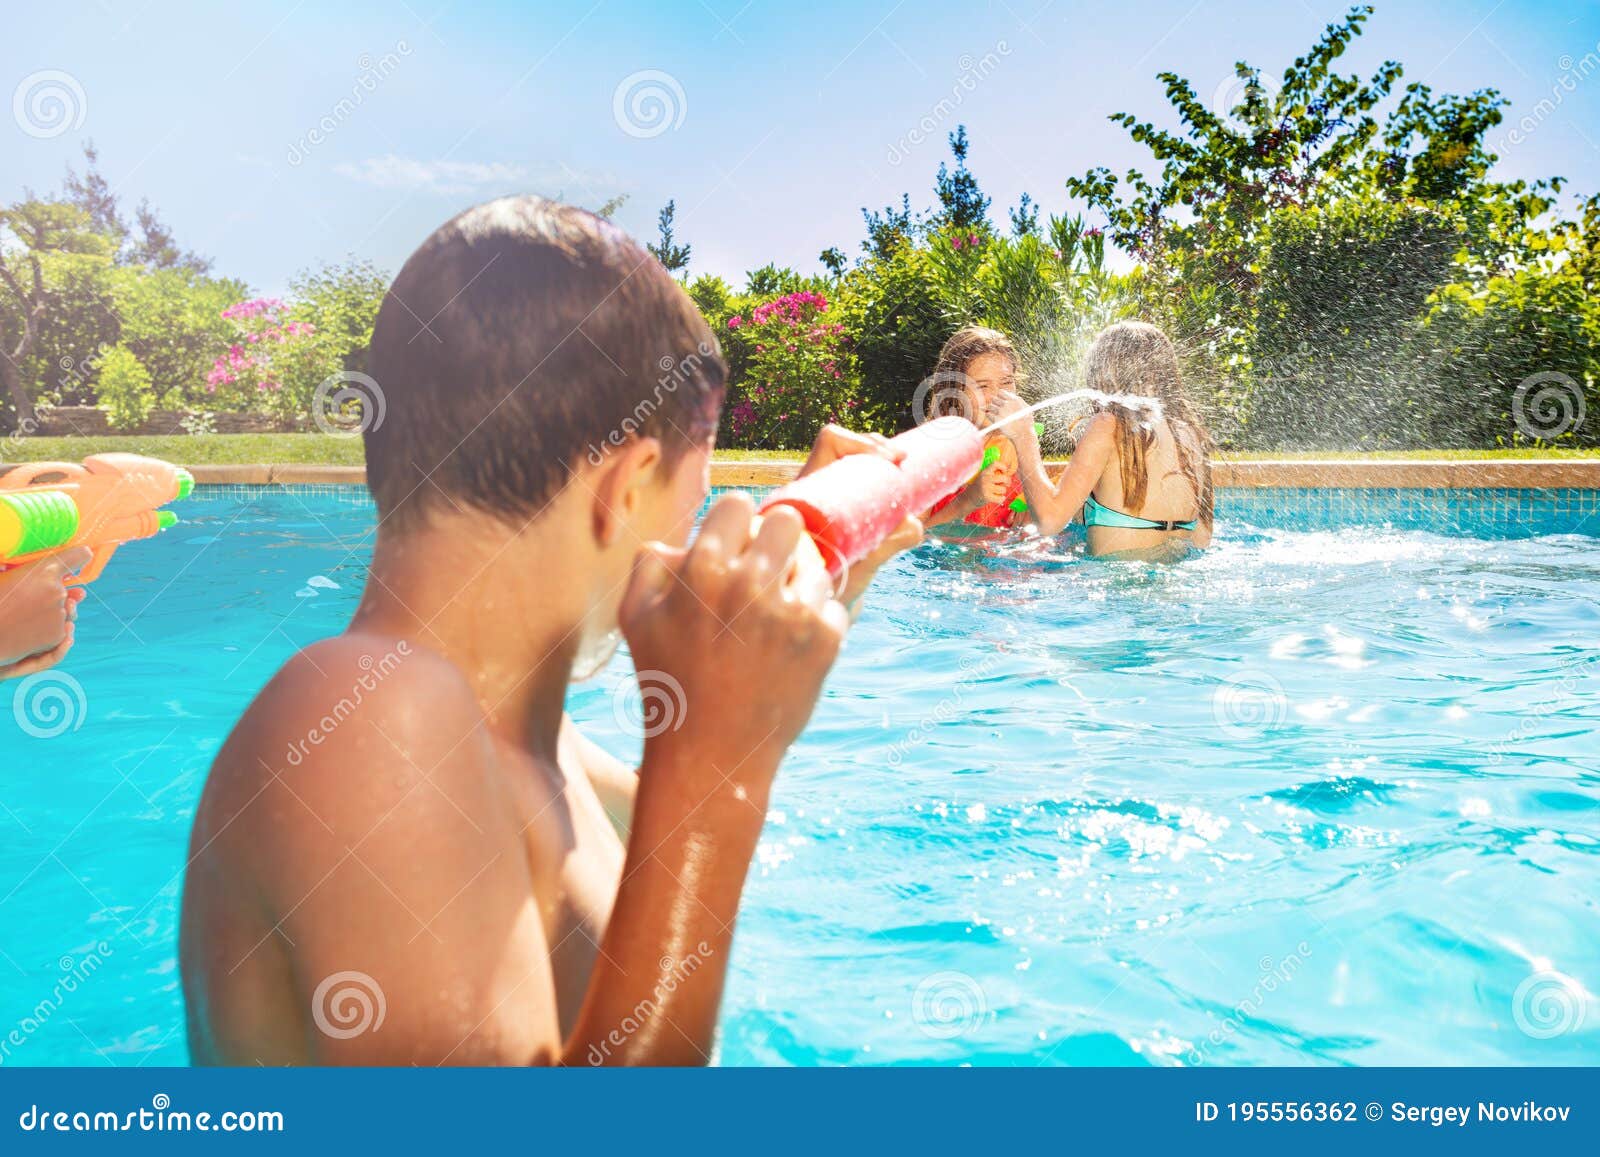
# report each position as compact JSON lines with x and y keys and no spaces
{"x":1326,"y":794}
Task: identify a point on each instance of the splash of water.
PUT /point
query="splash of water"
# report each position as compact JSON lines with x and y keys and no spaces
{"x":1150,"y":408}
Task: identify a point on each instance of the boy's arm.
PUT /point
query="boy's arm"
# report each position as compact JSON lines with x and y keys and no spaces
{"x":614,"y":782}
{"x":748,"y":653}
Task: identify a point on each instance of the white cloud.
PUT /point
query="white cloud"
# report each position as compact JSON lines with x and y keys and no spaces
{"x":558,"y":180}
{"x":392,"y":172}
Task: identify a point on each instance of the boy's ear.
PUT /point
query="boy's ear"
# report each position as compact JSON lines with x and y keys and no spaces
{"x":621,"y":485}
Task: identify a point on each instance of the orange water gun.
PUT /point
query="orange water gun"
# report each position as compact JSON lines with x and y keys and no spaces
{"x":49,"y":507}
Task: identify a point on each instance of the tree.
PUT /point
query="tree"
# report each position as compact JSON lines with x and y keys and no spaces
{"x":1025,"y":218}
{"x":171,"y":320}
{"x":890,"y":229}
{"x":672,"y":257}
{"x":833,"y":260}
{"x":153,"y":244}
{"x":125,"y":389}
{"x":156,"y":247}
{"x":1275,"y":224}
{"x":93,"y":194}
{"x":35,"y":233}
{"x":340,"y":301}
{"x":963,"y":206}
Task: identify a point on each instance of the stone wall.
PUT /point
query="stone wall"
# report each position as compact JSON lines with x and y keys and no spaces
{"x":90,"y":421}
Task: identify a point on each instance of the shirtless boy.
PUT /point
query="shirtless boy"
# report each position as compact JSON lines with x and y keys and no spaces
{"x":406,"y":853}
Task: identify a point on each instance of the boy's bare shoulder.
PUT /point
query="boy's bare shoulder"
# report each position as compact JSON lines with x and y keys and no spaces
{"x":352,"y":724}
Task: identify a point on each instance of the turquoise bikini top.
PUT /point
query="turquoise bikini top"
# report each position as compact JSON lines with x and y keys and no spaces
{"x":1096,"y":514}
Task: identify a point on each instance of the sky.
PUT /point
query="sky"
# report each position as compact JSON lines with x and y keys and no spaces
{"x":277,"y":135}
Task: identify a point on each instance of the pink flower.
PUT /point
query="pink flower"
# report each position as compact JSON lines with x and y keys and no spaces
{"x":735,"y":321}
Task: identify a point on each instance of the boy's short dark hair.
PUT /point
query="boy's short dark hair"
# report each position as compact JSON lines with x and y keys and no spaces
{"x":524,"y":336}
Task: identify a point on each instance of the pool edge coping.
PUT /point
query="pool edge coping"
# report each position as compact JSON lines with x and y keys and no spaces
{"x":1315,"y":474}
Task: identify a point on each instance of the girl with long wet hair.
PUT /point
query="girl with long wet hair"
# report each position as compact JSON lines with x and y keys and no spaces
{"x":1140,"y":475}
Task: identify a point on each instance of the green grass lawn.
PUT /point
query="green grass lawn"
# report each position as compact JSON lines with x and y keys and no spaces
{"x":334,"y":450}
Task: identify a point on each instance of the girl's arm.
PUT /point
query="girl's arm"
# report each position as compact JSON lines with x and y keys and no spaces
{"x":1051,"y":507}
{"x":968,"y":499}
{"x":989,"y":486}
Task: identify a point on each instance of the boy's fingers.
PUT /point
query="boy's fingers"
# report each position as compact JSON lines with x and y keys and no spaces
{"x":652,"y":575}
{"x":725,"y":531}
{"x":836,"y":617}
{"x":835,"y":442}
{"x":773,"y":546}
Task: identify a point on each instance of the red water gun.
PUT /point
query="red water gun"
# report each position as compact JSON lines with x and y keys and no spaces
{"x":853,"y":504}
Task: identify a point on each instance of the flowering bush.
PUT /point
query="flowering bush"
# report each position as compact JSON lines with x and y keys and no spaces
{"x":273,"y":364}
{"x":799,"y":373}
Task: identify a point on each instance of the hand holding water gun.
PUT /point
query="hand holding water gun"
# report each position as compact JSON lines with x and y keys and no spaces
{"x":47,"y":508}
{"x":852,"y":505}
{"x":38,"y":613}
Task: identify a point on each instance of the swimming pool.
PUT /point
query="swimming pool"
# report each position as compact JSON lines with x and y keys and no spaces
{"x":1326,"y":794}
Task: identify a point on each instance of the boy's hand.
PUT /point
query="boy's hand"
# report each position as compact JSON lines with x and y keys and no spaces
{"x":38,"y":612}
{"x":733,"y":655}
{"x":833,"y":443}
{"x":905,"y":536}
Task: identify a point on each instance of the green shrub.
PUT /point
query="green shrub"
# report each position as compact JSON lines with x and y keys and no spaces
{"x":124,"y":388}
{"x":891,"y":308}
